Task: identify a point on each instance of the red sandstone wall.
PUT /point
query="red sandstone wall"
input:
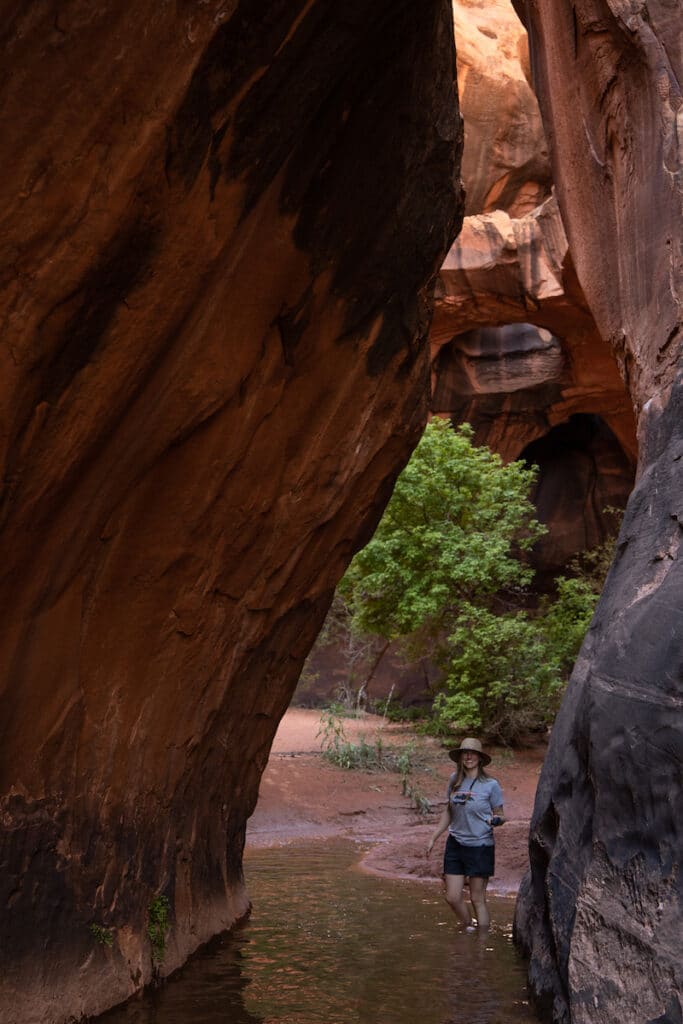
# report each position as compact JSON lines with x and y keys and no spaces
{"x":515,"y":348}
{"x":219,"y":233}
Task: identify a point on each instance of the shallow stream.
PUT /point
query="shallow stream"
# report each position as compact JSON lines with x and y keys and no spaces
{"x":328,"y":944}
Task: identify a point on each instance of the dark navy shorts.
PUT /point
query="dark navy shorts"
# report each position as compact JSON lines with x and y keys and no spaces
{"x":474,"y":861}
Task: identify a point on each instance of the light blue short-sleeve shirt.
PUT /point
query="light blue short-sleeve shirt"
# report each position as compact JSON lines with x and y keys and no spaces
{"x":470,"y":805}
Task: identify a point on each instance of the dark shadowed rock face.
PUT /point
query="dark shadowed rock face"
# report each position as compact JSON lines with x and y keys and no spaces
{"x":220,"y":226}
{"x":600,"y":914}
{"x":584,"y":481}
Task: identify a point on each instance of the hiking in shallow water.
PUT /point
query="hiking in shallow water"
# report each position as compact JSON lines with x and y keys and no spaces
{"x":474,"y":808}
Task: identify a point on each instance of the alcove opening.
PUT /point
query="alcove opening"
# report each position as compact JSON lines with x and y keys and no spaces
{"x":584,"y":481}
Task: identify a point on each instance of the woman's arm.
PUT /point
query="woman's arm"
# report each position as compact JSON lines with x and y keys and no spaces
{"x":498,"y":817}
{"x":444,"y":822}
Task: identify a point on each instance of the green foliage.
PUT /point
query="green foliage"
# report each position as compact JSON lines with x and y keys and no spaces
{"x":451,"y":533}
{"x":409,"y":788}
{"x":158,"y":925}
{"x":342,"y":752}
{"x":102,"y":935}
{"x":593,"y":565}
{"x":563,"y":621}
{"x":394,"y":711}
{"x":417,"y":798}
{"x":432,"y":577}
{"x":501,"y":677}
{"x":444,"y":577}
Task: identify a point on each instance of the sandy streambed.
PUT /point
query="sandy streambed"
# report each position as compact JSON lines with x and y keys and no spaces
{"x":304,"y":798}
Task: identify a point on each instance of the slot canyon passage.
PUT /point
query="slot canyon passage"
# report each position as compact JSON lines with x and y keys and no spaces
{"x":222,"y":229}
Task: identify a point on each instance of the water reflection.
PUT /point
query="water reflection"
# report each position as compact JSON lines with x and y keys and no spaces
{"x":208,"y":990}
{"x":326,"y":943}
{"x":486,"y":981}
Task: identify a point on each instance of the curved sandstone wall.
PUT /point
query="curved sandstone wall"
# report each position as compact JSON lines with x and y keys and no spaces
{"x":601,"y":912}
{"x":220,"y":227}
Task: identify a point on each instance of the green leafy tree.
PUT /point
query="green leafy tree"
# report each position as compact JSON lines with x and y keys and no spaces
{"x":452,"y":533}
{"x":563,"y":621}
{"x":439,"y":573}
{"x":445,"y":579}
{"x":501,"y":676}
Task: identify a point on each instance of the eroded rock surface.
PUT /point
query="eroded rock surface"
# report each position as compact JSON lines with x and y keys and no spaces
{"x":583,"y":484}
{"x":506,"y":162}
{"x":525,"y":362}
{"x":220,"y":227}
{"x":504,"y":271}
{"x":515,"y":348}
{"x":601,"y":913}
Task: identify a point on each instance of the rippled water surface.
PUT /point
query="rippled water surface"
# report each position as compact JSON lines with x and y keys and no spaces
{"x":326,"y":943}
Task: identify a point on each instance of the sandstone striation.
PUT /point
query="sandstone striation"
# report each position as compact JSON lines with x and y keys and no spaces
{"x":600,"y":915}
{"x":506,"y":161}
{"x":515,"y":348}
{"x":526,"y":362}
{"x":220,"y":226}
{"x":504,"y":271}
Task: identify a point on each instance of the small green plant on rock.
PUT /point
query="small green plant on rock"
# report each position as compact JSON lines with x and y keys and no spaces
{"x":158,"y":925}
{"x":102,"y":935}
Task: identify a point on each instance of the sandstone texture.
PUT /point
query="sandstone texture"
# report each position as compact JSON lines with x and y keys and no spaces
{"x":533,"y":376}
{"x":600,"y":914}
{"x":506,"y":161}
{"x":527,"y":354}
{"x":515,"y":348}
{"x":220,"y":228}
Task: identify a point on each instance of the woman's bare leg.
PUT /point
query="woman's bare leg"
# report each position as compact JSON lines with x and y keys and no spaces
{"x":454,"y":898}
{"x":478,"y":897}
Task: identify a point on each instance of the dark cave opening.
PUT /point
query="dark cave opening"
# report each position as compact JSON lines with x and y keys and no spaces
{"x":584,"y":481}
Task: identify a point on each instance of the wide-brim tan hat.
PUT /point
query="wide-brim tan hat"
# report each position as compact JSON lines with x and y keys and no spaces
{"x":469,"y":744}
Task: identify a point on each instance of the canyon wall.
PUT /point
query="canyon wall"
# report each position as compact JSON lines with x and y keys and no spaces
{"x":515,"y":348}
{"x":517,"y":354}
{"x":220,"y":229}
{"x":600,"y":914}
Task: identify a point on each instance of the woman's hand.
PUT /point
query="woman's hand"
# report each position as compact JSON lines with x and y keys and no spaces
{"x":496,"y":818}
{"x":430,"y":845}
